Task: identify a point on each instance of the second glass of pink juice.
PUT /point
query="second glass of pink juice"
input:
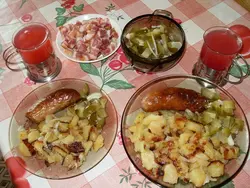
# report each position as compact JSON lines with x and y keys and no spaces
{"x":220,"y":50}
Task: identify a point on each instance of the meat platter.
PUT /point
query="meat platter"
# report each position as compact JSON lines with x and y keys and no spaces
{"x":91,"y":29}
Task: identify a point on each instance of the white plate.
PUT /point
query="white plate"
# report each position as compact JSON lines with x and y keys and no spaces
{"x":114,"y":24}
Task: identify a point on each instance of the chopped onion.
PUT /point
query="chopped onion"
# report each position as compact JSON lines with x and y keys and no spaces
{"x":156,"y":51}
{"x":230,"y":140}
{"x":151,"y":49}
{"x":95,"y":95}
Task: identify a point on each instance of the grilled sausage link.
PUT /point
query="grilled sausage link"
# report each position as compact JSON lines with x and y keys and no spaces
{"x":174,"y":98}
{"x":53,"y":103}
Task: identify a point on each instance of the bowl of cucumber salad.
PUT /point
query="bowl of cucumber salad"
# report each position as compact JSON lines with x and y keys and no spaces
{"x":153,"y":42}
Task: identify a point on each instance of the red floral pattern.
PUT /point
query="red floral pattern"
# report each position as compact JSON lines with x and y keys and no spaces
{"x":29,"y":82}
{"x":68,"y":3}
{"x":124,"y":59}
{"x":26,"y":18}
{"x":178,"y":20}
{"x":119,"y":138}
{"x":115,"y":64}
{"x":120,"y":51}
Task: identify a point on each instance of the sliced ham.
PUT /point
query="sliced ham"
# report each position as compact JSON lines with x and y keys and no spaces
{"x":81,"y":46}
{"x":102,"y":33}
{"x":114,"y":34}
{"x":92,"y":56}
{"x":79,"y":34}
{"x":88,"y":40}
{"x":89,"y":36}
{"x":86,"y":57}
{"x":72,"y":33}
{"x":96,"y":42}
{"x":78,"y":23}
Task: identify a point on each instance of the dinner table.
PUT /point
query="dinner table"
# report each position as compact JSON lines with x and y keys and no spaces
{"x":115,"y":170}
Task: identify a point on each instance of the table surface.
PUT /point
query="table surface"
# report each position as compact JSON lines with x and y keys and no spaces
{"x":196,"y":17}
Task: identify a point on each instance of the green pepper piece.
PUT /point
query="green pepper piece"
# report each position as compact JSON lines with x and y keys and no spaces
{"x":238,"y":126}
{"x":85,"y":90}
{"x":215,"y":126}
{"x":79,"y":112}
{"x":160,"y":48}
{"x":88,"y":111}
{"x":226,"y":131}
{"x":189,"y":114}
{"x":227,"y":121}
{"x":210,"y":94}
{"x":164,"y":41}
{"x":71,"y":111}
{"x":101,"y":113}
{"x":93,"y":119}
{"x":146,"y":53}
{"x":217,"y":106}
{"x":208,"y":117}
{"x":228,"y":107}
{"x":103,"y":102}
{"x":100,"y":123}
{"x":156,"y":32}
{"x":96,"y":103}
{"x":135,"y":49}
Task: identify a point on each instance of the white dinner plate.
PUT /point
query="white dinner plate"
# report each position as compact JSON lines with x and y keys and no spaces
{"x":114,"y":24}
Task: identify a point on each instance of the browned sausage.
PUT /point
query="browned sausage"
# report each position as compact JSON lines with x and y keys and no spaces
{"x":174,"y":98}
{"x":53,"y":103}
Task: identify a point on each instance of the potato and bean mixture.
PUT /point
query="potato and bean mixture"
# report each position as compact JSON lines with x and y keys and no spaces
{"x":67,"y":138}
{"x":188,"y":146}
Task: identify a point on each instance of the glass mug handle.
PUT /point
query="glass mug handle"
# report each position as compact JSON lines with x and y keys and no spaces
{"x":241,"y":77}
{"x":163,"y":13}
{"x":8,"y":54}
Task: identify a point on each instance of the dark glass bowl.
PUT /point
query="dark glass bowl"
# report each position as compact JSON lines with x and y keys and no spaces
{"x":154,"y":65}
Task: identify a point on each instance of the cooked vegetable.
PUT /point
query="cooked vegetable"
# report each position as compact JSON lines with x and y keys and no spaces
{"x":197,"y":177}
{"x":23,"y":135}
{"x":69,"y":137}
{"x":170,"y":174}
{"x":99,"y":142}
{"x":152,"y":42}
{"x":33,"y":135}
{"x":216,"y":169}
{"x":210,"y":94}
{"x":24,"y":150}
{"x":191,"y":146}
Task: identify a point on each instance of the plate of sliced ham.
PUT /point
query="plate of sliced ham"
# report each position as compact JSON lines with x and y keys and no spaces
{"x":88,"y":38}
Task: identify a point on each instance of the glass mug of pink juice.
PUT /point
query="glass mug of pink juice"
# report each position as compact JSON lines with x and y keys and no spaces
{"x":219,"y":53}
{"x":33,"y":43}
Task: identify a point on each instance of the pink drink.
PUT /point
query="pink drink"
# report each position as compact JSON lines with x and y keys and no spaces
{"x":219,"y":49}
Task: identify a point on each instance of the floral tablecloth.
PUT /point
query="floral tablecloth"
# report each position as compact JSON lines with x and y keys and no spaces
{"x":117,"y":79}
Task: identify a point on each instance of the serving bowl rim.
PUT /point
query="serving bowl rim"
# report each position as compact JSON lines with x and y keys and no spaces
{"x":157,"y":61}
{"x":87,"y":17}
{"x":176,"y":76}
{"x":37,"y":89}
